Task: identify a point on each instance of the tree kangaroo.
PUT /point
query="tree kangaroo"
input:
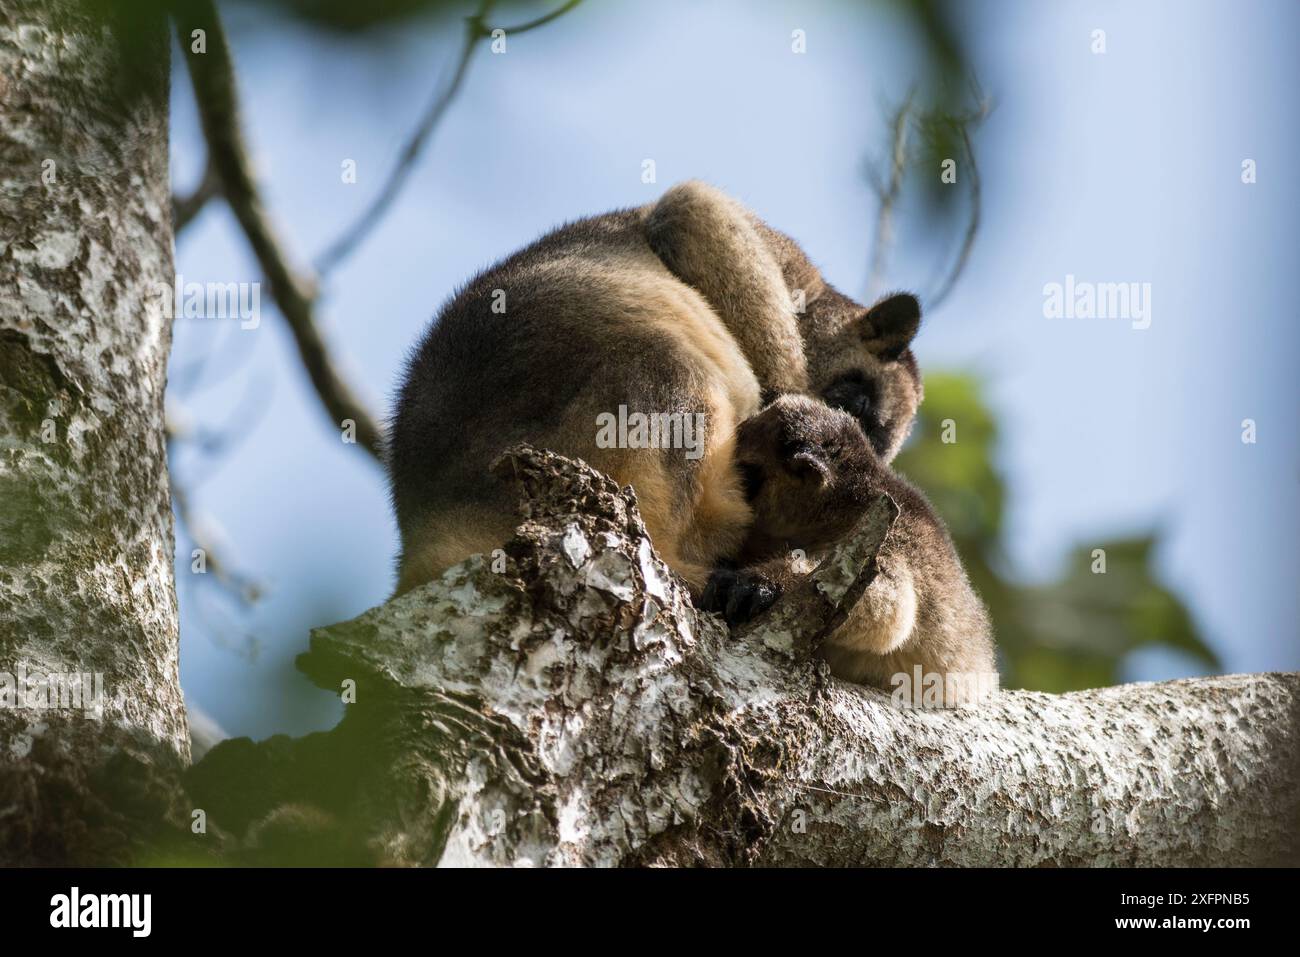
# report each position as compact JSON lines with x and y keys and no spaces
{"x":810,"y":475}
{"x":637,"y":340}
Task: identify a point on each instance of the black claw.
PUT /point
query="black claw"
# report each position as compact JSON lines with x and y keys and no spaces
{"x":740,"y":596}
{"x":715,"y":592}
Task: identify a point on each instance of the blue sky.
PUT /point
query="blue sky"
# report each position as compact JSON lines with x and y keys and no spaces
{"x":1118,"y":167}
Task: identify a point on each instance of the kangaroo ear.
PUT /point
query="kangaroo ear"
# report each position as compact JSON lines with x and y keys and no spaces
{"x":890,"y":325}
{"x":807,"y":464}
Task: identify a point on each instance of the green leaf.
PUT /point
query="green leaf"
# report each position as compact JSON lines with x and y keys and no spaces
{"x":1070,"y":633}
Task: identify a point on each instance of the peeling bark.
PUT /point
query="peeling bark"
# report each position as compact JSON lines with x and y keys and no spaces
{"x":86,"y":545}
{"x":573,"y":708}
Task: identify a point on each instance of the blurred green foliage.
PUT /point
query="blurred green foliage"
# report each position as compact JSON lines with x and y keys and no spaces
{"x":1061,"y":635}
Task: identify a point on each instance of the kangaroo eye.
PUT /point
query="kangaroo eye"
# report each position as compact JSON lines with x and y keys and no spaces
{"x":852,"y":393}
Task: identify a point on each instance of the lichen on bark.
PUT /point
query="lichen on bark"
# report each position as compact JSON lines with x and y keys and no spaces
{"x":563,"y":703}
{"x":86,"y":544}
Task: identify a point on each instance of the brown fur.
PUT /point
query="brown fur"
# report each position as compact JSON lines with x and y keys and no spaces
{"x":681,"y":307}
{"x":811,"y":473}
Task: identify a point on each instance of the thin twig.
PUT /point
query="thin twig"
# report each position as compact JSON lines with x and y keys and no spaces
{"x":185,"y":208}
{"x":212,"y":75}
{"x":888,"y":194}
{"x":476,"y":28}
{"x":217,"y":444}
{"x":243,"y":587}
{"x":964,"y":124}
{"x":539,"y":21}
{"x":353,"y":236}
{"x":227,"y":355}
{"x":972,"y":227}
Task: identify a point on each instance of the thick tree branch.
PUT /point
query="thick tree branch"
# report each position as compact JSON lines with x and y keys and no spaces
{"x":572,"y":707}
{"x":212,"y":76}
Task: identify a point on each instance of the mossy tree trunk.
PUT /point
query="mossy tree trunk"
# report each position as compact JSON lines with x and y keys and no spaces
{"x":86,"y":544}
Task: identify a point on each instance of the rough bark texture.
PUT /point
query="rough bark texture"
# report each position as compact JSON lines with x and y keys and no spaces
{"x":563,"y":704}
{"x":571,"y":707}
{"x":86,"y":544}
